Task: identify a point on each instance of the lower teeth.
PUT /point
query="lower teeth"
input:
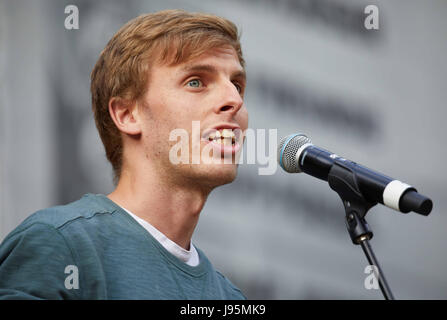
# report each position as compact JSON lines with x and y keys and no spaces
{"x":224,"y":142}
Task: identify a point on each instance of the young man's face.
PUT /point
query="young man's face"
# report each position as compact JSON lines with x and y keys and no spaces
{"x":208,"y":89}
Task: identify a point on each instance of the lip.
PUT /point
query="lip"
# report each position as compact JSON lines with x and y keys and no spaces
{"x":237,"y":130}
{"x":224,"y":150}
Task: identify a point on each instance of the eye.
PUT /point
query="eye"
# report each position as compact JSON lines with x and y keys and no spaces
{"x":195,"y":83}
{"x":238,"y":87}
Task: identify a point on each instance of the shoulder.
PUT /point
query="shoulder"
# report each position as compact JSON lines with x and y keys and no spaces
{"x":57,"y":217}
{"x":35,"y":254}
{"x":33,"y":261}
{"x":74,"y":225}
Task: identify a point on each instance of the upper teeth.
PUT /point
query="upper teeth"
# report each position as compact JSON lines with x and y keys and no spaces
{"x":225,"y":136}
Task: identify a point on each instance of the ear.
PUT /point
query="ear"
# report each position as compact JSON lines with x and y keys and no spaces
{"x":125,"y":116}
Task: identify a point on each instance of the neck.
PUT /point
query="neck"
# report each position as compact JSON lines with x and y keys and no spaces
{"x":173,"y":209}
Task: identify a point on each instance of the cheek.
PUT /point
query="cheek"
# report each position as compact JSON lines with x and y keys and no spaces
{"x":165,"y":110}
{"x":243,"y":118}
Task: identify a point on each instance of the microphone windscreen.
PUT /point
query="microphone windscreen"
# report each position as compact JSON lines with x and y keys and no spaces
{"x":287,"y":150}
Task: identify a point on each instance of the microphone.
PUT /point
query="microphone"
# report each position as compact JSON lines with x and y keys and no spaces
{"x":296,"y":153}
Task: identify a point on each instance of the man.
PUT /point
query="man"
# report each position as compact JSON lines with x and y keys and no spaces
{"x":160,"y":74}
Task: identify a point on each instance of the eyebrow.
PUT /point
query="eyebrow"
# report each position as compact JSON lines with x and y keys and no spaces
{"x":211,"y":69}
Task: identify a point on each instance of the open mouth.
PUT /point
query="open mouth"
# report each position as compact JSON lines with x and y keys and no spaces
{"x":224,"y":137}
{"x":223,"y":140}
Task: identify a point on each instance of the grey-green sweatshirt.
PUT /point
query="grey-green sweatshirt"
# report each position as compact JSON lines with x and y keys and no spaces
{"x":93,"y":249}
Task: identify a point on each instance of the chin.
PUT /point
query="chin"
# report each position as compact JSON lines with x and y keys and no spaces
{"x":218,"y":175}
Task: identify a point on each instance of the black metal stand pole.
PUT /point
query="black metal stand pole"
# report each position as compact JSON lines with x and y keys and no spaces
{"x":361,"y":233}
{"x":377,"y":273}
{"x":342,"y":179}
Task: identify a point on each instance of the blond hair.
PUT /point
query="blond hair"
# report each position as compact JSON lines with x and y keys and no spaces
{"x":168,"y":37}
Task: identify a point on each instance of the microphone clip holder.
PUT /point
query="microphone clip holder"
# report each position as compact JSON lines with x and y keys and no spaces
{"x":342,"y":179}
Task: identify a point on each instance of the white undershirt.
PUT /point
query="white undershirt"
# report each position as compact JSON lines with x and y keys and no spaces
{"x":190,"y":257}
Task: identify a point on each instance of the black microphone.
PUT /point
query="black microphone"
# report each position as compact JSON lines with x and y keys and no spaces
{"x":296,"y":153}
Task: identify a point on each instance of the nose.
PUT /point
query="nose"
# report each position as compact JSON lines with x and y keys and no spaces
{"x":231,"y":100}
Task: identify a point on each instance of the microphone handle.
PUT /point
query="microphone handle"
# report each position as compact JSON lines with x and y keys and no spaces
{"x":374,"y":186}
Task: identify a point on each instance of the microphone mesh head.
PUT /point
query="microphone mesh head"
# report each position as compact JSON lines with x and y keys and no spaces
{"x":287,"y":149}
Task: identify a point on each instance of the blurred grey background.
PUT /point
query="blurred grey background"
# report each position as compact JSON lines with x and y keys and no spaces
{"x":374,"y":96}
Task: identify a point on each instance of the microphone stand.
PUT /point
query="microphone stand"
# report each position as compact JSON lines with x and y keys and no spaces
{"x":342,"y":179}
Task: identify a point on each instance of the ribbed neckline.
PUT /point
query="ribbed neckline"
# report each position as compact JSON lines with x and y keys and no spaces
{"x":196,"y":271}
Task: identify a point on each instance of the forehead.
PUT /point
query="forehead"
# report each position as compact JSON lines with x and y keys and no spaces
{"x":217,"y":59}
{"x":225,"y":53}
